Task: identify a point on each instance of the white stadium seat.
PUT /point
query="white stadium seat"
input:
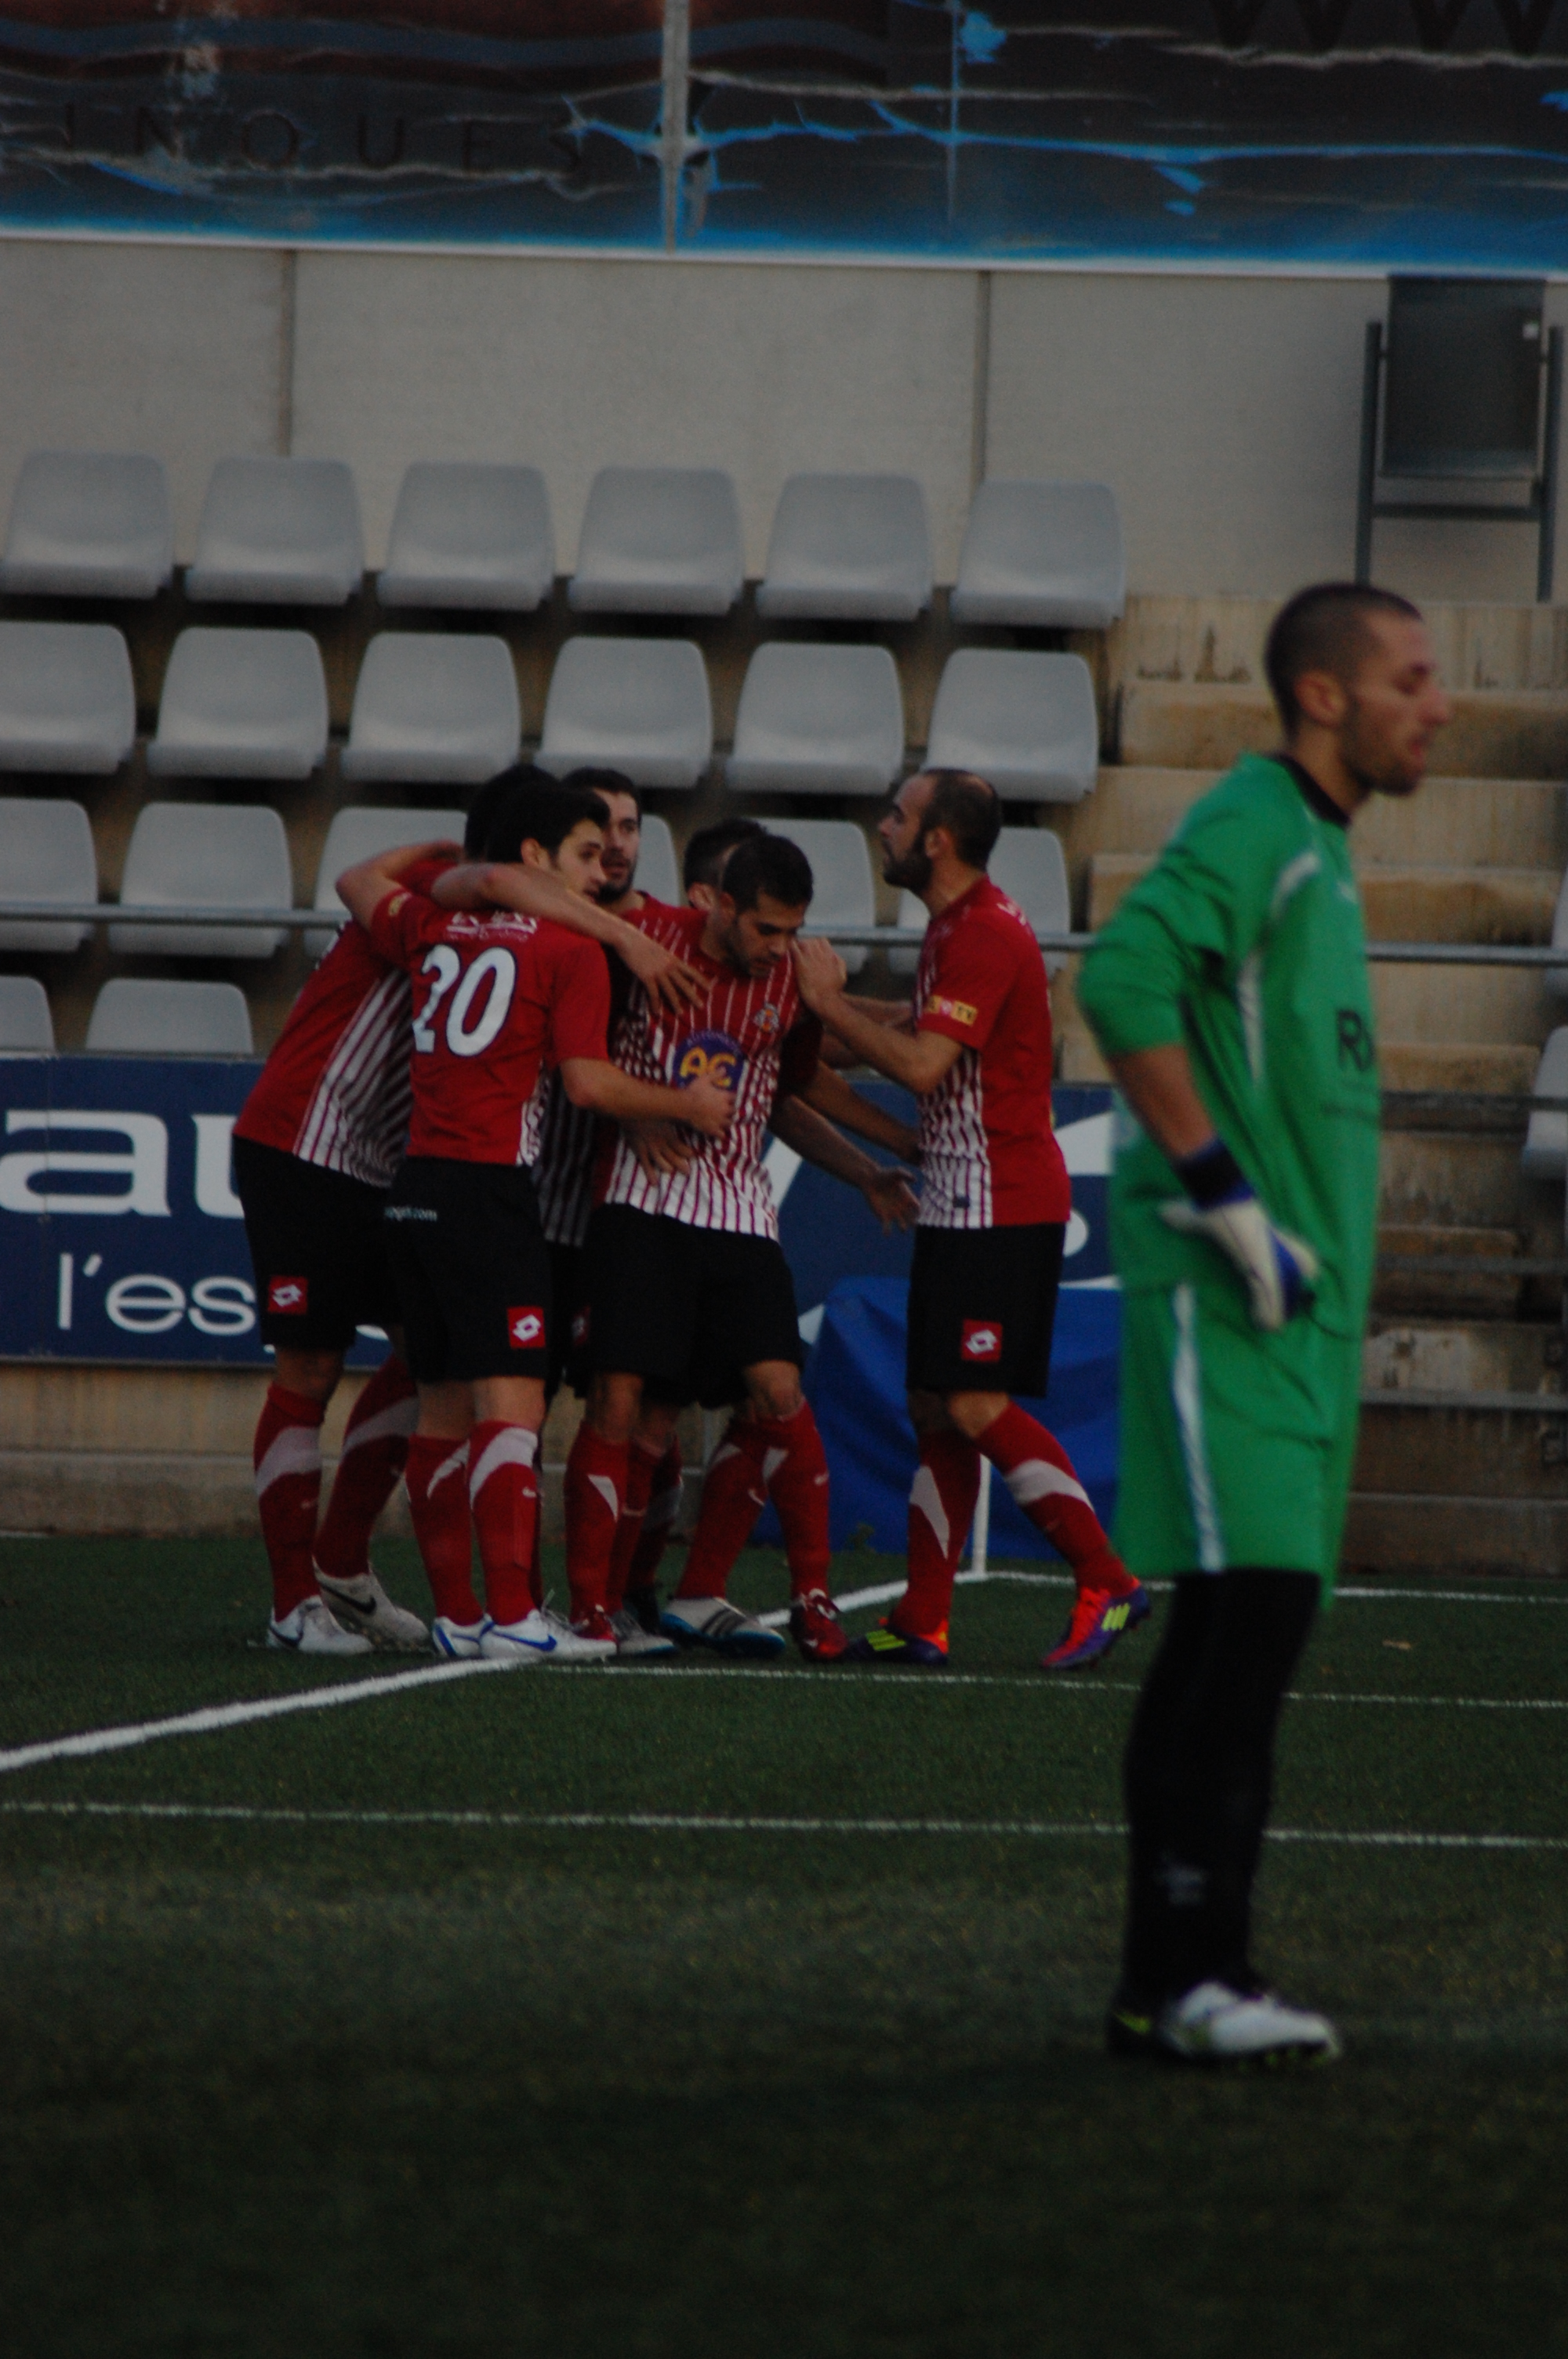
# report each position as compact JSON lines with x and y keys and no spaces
{"x":209,"y":856}
{"x":659,"y":540}
{"x":240,"y":704}
{"x":848,"y":545}
{"x":470,"y":534}
{"x":46,"y":855}
{"x":817,"y":720}
{"x":67,"y":702}
{"x":1042,"y":554}
{"x":134,"y":1015}
{"x":841,"y":872}
{"x":434,"y":707}
{"x":26,"y":1024}
{"x":1027,"y":723}
{"x":1545,"y":1153}
{"x":280,"y":532}
{"x":1030,"y":867}
{"x":88,"y":524}
{"x":637,"y":705}
{"x":355,"y":835}
{"x":658,"y":870}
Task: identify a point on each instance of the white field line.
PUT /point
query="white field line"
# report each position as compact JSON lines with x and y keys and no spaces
{"x":215,"y":1717}
{"x":671,"y":1823}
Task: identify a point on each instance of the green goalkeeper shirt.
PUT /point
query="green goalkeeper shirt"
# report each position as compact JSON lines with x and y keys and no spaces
{"x":1245,"y":945}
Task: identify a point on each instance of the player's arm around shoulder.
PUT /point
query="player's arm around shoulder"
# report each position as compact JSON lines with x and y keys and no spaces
{"x":375,"y":894}
{"x":1200,"y":910}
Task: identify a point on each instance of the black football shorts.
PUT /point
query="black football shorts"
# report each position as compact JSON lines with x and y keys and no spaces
{"x":317,"y":1249}
{"x":472,"y":1268}
{"x":982,"y":1303}
{"x":685,"y":1308}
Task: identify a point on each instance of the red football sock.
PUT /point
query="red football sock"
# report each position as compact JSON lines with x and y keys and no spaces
{"x":504,"y":1500}
{"x":1041,"y":1476}
{"x":536,"y":1562}
{"x":596,"y":1488}
{"x":941,"y":1509}
{"x":641,"y":1467}
{"x":794,"y":1468}
{"x":287,"y":1457}
{"x":375,"y":1447}
{"x":437,"y":1479}
{"x":658,"y":1520}
{"x":734,"y":1493}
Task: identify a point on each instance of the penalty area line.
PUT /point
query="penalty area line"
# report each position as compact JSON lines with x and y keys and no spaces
{"x":693,"y":1822}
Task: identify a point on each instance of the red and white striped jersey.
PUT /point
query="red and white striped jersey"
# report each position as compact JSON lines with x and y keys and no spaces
{"x":496,"y":997}
{"x":336,"y":1089}
{"x":989,"y":1158}
{"x":755,"y":1035}
{"x":563,"y":1167}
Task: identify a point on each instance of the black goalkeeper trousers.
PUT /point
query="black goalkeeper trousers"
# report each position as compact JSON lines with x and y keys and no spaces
{"x":1198,"y":1774}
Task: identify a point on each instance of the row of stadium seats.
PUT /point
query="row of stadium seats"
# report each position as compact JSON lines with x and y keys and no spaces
{"x":218,"y":856}
{"x":659,"y":540}
{"x":443,"y":710}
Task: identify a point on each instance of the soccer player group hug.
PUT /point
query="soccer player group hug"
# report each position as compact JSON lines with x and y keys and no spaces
{"x":517,"y":1121}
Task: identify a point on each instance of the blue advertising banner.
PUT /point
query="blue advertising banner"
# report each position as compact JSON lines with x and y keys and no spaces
{"x":121,"y":1237}
{"x":1382,"y":134}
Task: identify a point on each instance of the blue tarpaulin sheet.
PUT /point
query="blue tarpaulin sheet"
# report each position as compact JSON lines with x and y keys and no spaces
{"x":855,"y":1381}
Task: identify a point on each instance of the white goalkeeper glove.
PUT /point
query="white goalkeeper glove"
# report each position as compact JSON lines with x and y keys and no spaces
{"x":1278,"y":1270}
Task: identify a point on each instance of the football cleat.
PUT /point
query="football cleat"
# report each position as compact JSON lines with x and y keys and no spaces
{"x":634,"y":1643}
{"x":644,"y":1604}
{"x":532,"y":1640}
{"x":362,"y":1604}
{"x":458,"y":1641}
{"x":1099,"y":1621}
{"x":589,"y":1639}
{"x":1214,"y":2024}
{"x":887,"y":1643}
{"x":312,"y":1628}
{"x":714,"y":1622}
{"x":815,"y":1626}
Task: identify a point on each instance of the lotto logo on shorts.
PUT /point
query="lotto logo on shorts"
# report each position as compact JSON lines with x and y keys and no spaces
{"x":712,"y":1056}
{"x":982,"y":1340}
{"x":525,"y":1330}
{"x":288,"y":1294}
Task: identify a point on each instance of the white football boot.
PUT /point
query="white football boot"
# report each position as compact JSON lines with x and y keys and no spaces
{"x":532,"y":1640}
{"x":573,"y":1646}
{"x":632,"y":1643}
{"x":312,"y":1628}
{"x":714,"y":1622}
{"x":1215,"y":2024}
{"x":457,"y":1641}
{"x":362,"y":1604}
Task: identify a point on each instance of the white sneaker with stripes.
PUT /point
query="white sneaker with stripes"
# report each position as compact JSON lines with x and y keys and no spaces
{"x":1216,"y":2025}
{"x":362,"y":1604}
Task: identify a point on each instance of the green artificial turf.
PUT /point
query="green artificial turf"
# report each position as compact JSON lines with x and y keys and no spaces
{"x":338,"y":2082}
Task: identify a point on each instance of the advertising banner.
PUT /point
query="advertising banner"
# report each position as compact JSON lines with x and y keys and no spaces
{"x":1364,"y":134}
{"x":121,"y":1237}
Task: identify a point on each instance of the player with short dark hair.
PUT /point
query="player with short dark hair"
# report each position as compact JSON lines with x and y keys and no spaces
{"x":1230,"y":996}
{"x":495,"y":994}
{"x":993,"y":1213}
{"x":689,"y":1291}
{"x":707,"y":850}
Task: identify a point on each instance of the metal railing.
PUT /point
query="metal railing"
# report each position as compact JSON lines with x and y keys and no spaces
{"x":885,"y":938}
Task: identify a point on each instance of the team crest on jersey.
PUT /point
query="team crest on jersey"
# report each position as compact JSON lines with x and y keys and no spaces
{"x":525,"y":1330}
{"x":982,"y":1340}
{"x":766,"y":1020}
{"x":288,"y":1295}
{"x":712,"y":1057}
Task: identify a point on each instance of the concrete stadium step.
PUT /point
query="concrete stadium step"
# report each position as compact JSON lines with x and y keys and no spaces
{"x":1499,"y":1538}
{"x":1495,"y":733}
{"x":1454,"y":822}
{"x":1219,"y":641}
{"x":1410,"y":905}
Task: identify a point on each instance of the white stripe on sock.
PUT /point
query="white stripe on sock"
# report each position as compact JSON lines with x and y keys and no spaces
{"x":1036,"y":1478}
{"x":401,"y":1417}
{"x":514,"y":1445}
{"x":297,"y":1451}
{"x":925,"y":1495}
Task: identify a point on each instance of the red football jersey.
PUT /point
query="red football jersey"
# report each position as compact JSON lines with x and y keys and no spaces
{"x":336,"y":1089}
{"x":756,"y":1036}
{"x":495,"y":996}
{"x":987,"y":1155}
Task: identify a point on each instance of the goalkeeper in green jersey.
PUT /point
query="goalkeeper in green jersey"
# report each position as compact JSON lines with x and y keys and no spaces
{"x":1229,"y":995}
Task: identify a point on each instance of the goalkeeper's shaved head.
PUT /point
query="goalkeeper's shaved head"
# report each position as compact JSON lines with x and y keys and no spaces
{"x":1327,"y":629}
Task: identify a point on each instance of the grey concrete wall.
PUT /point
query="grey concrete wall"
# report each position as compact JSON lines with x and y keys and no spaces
{"x":1224,"y":410}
